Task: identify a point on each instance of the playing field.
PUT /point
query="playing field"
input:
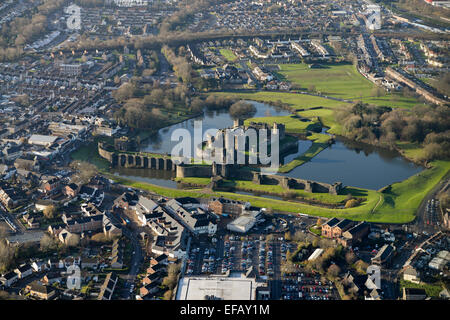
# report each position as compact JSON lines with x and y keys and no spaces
{"x":340,"y":81}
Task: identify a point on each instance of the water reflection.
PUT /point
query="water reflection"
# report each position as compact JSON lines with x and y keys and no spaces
{"x":352,"y":163}
{"x":211,"y":119}
{"x":356,"y":164}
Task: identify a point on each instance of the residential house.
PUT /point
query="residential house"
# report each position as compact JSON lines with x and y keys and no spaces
{"x":226,"y":206}
{"x":156,"y":268}
{"x":354,"y":235}
{"x":24,"y":271}
{"x":161,"y":259}
{"x":384,"y":256}
{"x":144,"y":207}
{"x":52,"y":277}
{"x":411,"y":274}
{"x":126,"y":201}
{"x":154,"y":277}
{"x":149,"y":289}
{"x":414,"y":294}
{"x":52,"y":186}
{"x":11,"y":197}
{"x":327,"y":228}
{"x":89,"y":262}
{"x":9,"y":279}
{"x":71,"y":190}
{"x":40,"y":291}
{"x":108,"y":287}
{"x":110,"y":229}
{"x":39,"y":265}
{"x":31,"y":220}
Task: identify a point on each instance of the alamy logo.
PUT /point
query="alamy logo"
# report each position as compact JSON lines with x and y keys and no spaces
{"x":74,"y":277}
{"x":74,"y":19}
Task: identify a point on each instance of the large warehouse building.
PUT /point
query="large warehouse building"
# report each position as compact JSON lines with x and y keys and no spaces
{"x":234,"y":286}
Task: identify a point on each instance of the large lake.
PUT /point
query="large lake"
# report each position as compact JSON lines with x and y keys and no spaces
{"x":356,"y":164}
{"x":353,"y":164}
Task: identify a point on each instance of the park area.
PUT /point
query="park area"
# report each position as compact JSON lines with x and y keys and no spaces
{"x":333,"y":87}
{"x":341,"y":81}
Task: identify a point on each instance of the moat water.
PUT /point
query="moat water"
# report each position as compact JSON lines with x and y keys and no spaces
{"x":353,"y":164}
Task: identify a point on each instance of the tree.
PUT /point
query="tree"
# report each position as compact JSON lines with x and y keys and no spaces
{"x":85,"y":169}
{"x":333,"y":270}
{"x":7,"y":255}
{"x":350,"y":257}
{"x":287,"y":236}
{"x":361,"y":267}
{"x":242,"y":110}
{"x":48,"y":243}
{"x":351,"y":203}
{"x":49,"y":212}
{"x":171,"y":279}
{"x":74,"y":240}
{"x":168,"y":295}
{"x":125,"y":91}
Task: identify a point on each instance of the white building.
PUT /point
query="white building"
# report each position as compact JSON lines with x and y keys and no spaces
{"x":41,"y":140}
{"x":242,"y":224}
{"x":235,"y":286}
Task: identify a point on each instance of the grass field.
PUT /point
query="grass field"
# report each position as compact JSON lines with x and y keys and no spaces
{"x":89,"y":153}
{"x":341,"y":81}
{"x":279,"y":191}
{"x":295,"y":100}
{"x":228,"y":54}
{"x":293,"y":125}
{"x":326,"y":116}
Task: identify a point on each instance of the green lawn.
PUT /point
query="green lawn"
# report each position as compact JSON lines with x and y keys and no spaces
{"x":296,"y":100}
{"x":195,"y":181}
{"x":402,"y":199}
{"x":411,"y":150}
{"x":89,"y":153}
{"x":341,"y":81}
{"x":397,"y":205}
{"x":432,"y":290}
{"x":293,"y":125}
{"x":279,"y":191}
{"x":228,"y":54}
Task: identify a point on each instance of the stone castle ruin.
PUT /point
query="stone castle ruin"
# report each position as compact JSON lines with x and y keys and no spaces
{"x":118,"y":156}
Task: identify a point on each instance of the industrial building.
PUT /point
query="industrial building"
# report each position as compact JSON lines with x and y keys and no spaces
{"x":231,"y":286}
